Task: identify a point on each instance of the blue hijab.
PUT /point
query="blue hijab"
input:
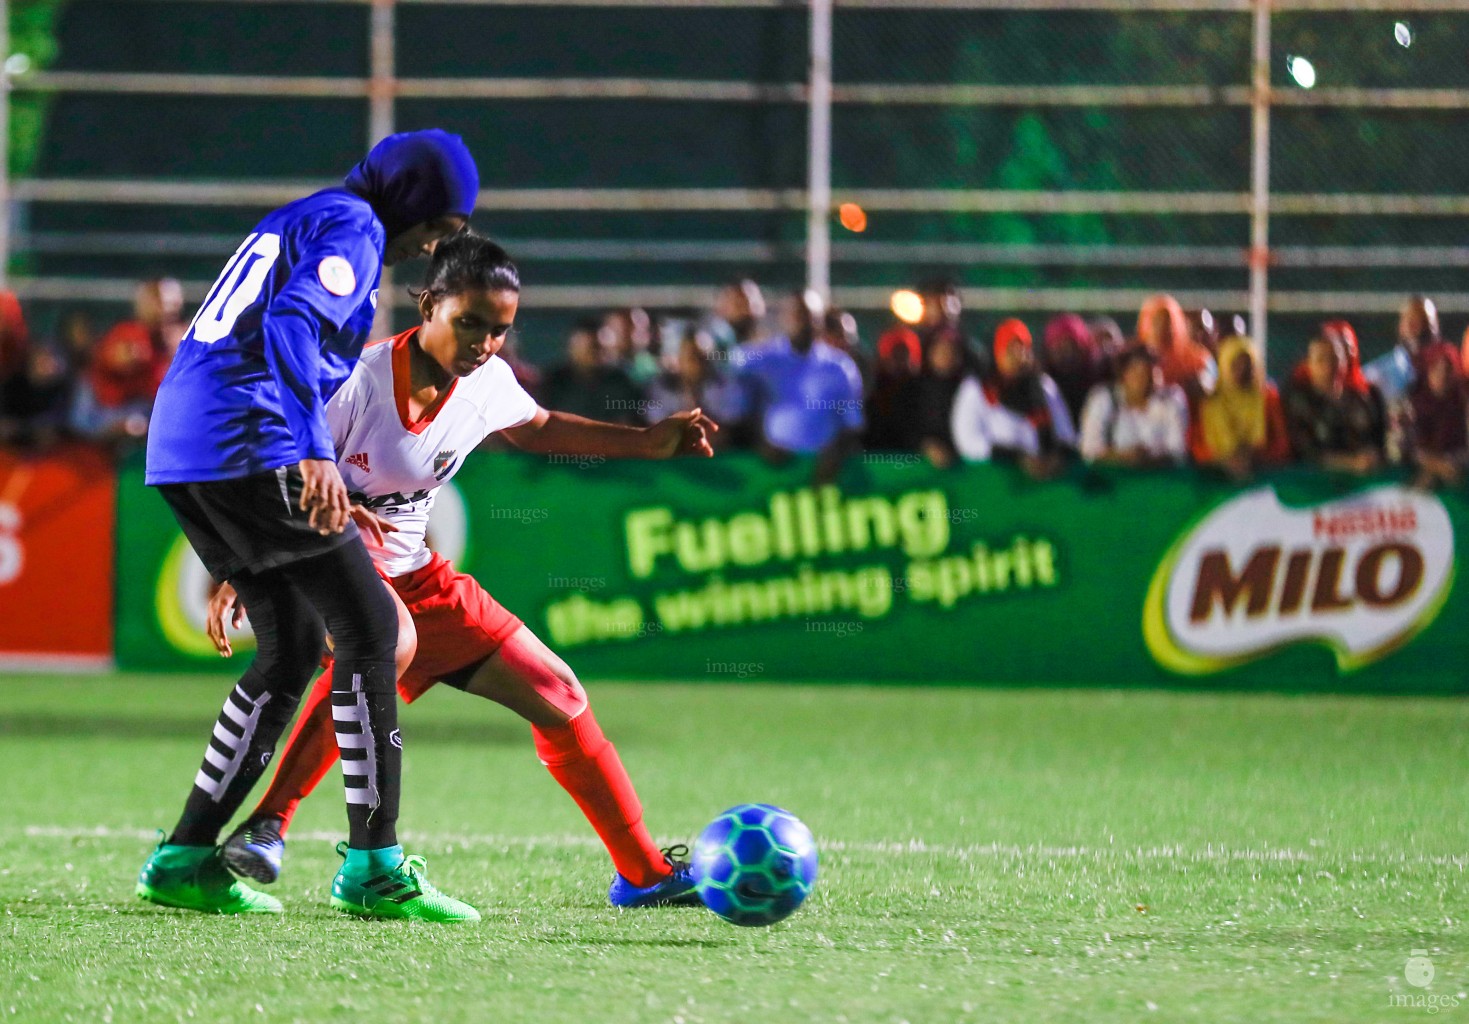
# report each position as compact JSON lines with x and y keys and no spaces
{"x":416,"y":176}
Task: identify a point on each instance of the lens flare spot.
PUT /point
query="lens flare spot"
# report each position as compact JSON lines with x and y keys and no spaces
{"x":1302,"y":70}
{"x":907,"y":306}
{"x":853,"y":217}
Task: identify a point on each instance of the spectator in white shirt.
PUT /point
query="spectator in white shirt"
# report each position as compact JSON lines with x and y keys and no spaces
{"x":1013,"y":412}
{"x":1138,"y":421}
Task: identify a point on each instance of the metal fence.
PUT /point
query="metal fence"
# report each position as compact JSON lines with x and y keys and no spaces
{"x":1288,"y":158}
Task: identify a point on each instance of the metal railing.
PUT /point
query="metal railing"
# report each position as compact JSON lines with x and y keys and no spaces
{"x":381,"y":89}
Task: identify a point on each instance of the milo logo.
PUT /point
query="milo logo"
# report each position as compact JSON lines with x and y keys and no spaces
{"x":1361,"y":576}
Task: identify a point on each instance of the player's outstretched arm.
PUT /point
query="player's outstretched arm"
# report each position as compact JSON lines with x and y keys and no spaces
{"x":562,"y":433}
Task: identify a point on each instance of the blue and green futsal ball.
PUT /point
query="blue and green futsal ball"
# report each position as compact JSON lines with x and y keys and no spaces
{"x":754,"y":864}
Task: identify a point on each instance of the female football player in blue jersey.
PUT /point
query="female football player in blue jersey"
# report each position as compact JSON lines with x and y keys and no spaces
{"x":404,"y":424}
{"x":240,"y":449}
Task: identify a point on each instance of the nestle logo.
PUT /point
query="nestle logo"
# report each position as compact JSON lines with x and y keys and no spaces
{"x":1360,"y":576}
{"x":1367,"y":521}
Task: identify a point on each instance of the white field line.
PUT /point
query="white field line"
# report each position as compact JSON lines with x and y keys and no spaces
{"x":907,"y":847}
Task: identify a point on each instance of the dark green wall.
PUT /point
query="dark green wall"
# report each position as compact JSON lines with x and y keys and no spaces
{"x":625,"y":144}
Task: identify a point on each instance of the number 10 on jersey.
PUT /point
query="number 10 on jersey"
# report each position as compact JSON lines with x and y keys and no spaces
{"x":237,"y":287}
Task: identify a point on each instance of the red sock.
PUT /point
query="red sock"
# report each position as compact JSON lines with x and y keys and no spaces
{"x":586,"y":764}
{"x":309,"y":755}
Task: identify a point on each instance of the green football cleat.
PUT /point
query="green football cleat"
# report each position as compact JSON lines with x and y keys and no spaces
{"x":195,"y":878}
{"x":386,"y":884}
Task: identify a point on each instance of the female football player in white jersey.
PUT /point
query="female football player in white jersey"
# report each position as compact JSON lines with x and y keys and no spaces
{"x":403,"y":423}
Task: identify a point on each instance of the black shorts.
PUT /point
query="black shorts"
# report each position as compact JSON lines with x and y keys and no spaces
{"x":251,"y":523}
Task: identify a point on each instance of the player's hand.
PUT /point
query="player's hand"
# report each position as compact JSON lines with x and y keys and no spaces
{"x":374,"y":525}
{"x":224,"y":606}
{"x":324,"y":495}
{"x":683,"y":433}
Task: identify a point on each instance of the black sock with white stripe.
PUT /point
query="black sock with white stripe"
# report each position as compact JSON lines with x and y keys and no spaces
{"x":365,"y":716}
{"x":240,"y":748}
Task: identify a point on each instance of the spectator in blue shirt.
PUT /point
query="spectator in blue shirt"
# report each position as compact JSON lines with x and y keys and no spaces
{"x":806,"y":394}
{"x":1396,"y":372}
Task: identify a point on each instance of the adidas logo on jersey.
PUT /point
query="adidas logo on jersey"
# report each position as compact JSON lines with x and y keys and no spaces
{"x":359,"y":460}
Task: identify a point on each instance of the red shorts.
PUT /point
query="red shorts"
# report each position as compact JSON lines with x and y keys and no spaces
{"x":459,"y":624}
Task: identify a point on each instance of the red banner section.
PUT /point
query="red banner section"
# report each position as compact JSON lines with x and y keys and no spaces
{"x":57,"y":515}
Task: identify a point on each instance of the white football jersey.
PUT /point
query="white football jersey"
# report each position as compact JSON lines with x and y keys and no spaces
{"x":395,"y":467}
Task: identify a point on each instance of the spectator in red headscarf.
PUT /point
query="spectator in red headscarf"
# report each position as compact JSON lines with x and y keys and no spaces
{"x":15,"y":360}
{"x":115,"y":399}
{"x":918,"y":371}
{"x":1072,"y":359}
{"x":892,"y":406}
{"x":1341,"y":334}
{"x":15,"y":337}
{"x":1015,"y":411}
{"x":899,"y":350}
{"x":1330,"y":424}
{"x":938,"y":383}
{"x":1163,"y":329}
{"x":1440,"y":439}
{"x":1346,"y":336}
{"x":131,"y":358}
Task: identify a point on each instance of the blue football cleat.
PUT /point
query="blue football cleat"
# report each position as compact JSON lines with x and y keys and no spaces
{"x":255,"y":850}
{"x":675,"y":890}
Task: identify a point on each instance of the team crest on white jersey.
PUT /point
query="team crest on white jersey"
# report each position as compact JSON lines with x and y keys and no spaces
{"x":410,"y":462}
{"x":444,"y":464}
{"x":336,"y":275}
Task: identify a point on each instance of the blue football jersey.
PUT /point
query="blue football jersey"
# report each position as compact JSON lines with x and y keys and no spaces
{"x":279,"y":332}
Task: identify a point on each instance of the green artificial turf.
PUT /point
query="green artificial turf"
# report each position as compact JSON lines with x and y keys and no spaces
{"x":985,"y":856}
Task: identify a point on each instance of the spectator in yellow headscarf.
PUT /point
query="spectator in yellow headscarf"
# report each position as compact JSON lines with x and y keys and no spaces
{"x":1242,"y":424}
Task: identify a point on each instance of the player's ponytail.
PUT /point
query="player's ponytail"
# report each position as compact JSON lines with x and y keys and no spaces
{"x":467,"y":261}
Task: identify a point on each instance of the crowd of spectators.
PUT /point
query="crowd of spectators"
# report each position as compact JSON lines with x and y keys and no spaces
{"x":77,"y":385}
{"x":1179,"y":387}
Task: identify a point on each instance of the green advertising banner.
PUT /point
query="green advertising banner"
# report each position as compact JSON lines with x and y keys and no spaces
{"x":729,"y":569}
